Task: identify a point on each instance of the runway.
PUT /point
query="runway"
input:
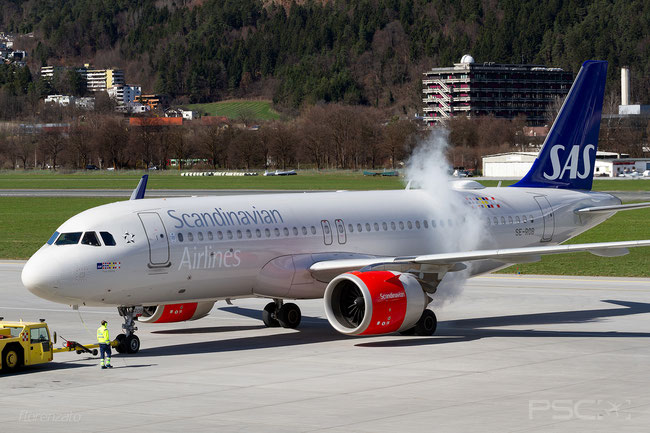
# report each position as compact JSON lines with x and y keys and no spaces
{"x":512,"y":353}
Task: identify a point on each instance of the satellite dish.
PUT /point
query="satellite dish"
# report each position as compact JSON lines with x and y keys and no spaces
{"x":467,"y":59}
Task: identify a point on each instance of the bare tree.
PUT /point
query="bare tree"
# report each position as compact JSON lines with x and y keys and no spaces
{"x":53,"y":143}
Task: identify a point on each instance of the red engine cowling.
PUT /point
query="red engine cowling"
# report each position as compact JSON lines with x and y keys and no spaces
{"x":374,"y":302}
{"x":175,"y":312}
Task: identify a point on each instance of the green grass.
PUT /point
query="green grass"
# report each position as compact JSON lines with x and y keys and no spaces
{"x":26,"y":223}
{"x":172,"y":180}
{"x":307,"y":179}
{"x":628,"y":225}
{"x":259,"y":110}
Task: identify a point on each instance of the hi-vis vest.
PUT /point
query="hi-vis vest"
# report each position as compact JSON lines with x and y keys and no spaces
{"x":102,"y":335}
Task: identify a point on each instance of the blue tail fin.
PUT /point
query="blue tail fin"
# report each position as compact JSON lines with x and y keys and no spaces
{"x":568,"y":156}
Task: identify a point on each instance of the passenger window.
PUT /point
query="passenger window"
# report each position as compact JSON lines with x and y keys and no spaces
{"x":190,"y":237}
{"x":313,"y":230}
{"x":68,"y":238}
{"x":496,"y":221}
{"x":52,"y":238}
{"x":295,"y":231}
{"x":248,"y":234}
{"x":239,"y":234}
{"x":286,"y":231}
{"x":525,"y":219}
{"x":90,"y":238}
{"x":433,"y":224}
{"x":425,"y":223}
{"x":258,"y":233}
{"x":350,"y":228}
{"x":489,"y":221}
{"x":392,"y":225}
{"x":517,"y":219}
{"x":219,"y":235}
{"x":180,"y":237}
{"x":417,"y":224}
{"x":229,"y":234}
{"x":277,"y":232}
{"x":509,"y":220}
{"x":200,"y":235}
{"x":442,"y":223}
{"x":409,"y":225}
{"x":367,"y":227}
{"x":108,"y":239}
{"x":326,"y":229}
{"x":384,"y":226}
{"x":304,"y":231}
{"x":210,"y":235}
{"x":267,"y":232}
{"x":503,"y":220}
{"x":359,"y":229}
{"x":530,"y":217}
{"x":401,"y":225}
{"x":376,"y":227}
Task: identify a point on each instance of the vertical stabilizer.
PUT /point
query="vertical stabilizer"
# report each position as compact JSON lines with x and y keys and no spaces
{"x":569,"y":153}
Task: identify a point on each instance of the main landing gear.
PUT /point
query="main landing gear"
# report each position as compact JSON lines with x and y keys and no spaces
{"x":277,"y":313}
{"x":128,"y":342}
{"x":425,"y":326}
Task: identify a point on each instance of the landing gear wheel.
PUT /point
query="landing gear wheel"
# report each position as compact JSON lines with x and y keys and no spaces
{"x":268,"y":315}
{"x":121,"y":344}
{"x":11,"y":359}
{"x":132,"y":343}
{"x":289,"y":316}
{"x":427,"y":324}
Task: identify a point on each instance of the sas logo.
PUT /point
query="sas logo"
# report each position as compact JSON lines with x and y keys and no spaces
{"x":108,"y":266}
{"x":571,"y":164}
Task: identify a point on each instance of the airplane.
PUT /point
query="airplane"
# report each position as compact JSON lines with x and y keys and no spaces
{"x":376,"y":258}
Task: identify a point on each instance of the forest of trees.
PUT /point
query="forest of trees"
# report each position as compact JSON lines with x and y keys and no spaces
{"x":368,"y":52}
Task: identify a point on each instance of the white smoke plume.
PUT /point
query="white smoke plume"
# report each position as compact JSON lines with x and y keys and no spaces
{"x":429,"y":170}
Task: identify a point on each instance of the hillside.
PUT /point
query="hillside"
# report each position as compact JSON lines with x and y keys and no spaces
{"x":368,"y":52}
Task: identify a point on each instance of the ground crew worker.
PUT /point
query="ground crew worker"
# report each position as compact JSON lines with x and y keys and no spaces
{"x":104,"y":345}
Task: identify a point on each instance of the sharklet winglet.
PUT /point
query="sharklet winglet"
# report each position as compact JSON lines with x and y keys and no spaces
{"x":138,"y":192}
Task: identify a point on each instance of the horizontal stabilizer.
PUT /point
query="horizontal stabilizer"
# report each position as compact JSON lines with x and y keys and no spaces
{"x":613,"y":208}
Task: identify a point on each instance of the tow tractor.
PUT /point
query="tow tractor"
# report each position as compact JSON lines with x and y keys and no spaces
{"x":29,"y":343}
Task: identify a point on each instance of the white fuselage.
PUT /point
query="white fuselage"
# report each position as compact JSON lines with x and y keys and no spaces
{"x":206,"y":248}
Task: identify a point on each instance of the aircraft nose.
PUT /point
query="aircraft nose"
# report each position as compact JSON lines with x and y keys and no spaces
{"x":41,"y":275}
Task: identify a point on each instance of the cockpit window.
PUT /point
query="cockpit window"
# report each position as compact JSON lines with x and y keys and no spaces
{"x":68,"y":238}
{"x":90,"y":238}
{"x":108,"y":239}
{"x":53,"y":238}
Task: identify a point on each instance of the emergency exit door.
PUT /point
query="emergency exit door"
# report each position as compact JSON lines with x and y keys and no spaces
{"x":156,"y":237}
{"x":327,"y":232}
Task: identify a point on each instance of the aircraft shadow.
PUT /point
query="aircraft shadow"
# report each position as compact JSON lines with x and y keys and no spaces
{"x":315,"y":330}
{"x":474,"y":329}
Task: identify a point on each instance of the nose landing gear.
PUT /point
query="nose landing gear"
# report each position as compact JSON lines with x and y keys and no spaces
{"x":128,"y":342}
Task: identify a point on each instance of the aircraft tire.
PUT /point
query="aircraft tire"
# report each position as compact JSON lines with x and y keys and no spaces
{"x":132,"y":344}
{"x":268,"y":316}
{"x":427,"y":324}
{"x":121,"y":346}
{"x":289,"y":316}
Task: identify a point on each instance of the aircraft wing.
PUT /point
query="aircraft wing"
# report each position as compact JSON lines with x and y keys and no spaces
{"x":328,"y":269}
{"x":614,"y":208}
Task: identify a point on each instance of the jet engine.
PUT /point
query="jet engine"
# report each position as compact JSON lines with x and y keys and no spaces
{"x":175,"y":312}
{"x":374,"y":302}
